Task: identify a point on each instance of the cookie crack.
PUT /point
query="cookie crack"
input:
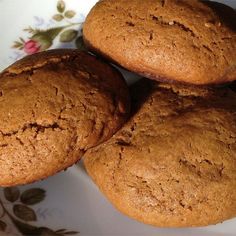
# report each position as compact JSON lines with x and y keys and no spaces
{"x":185,"y":28}
{"x":182,"y":26}
{"x":38,"y":128}
{"x":117,"y":167}
{"x":196,"y":167}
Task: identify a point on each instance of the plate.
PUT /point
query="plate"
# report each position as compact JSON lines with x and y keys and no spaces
{"x":68,"y":203}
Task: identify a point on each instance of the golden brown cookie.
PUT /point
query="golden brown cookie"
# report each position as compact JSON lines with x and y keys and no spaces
{"x":188,"y":41}
{"x":55,"y":105}
{"x":174,"y":163}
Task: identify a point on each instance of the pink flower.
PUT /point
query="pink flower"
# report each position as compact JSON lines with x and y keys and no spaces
{"x":31,"y":47}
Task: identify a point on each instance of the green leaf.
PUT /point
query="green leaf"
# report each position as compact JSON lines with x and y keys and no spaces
{"x":17,"y":44}
{"x":33,"y":196}
{"x":24,"y":212}
{"x":48,"y":232}
{"x":53,"y":32}
{"x":3,"y":226}
{"x":11,"y":194}
{"x":61,"y":6}
{"x":26,"y":229}
{"x":31,"y":30}
{"x":71,"y":233}
{"x":60,"y":230}
{"x":68,"y":35}
{"x":58,"y":17}
{"x":70,"y":14}
{"x":79,"y":43}
{"x":22,"y":40}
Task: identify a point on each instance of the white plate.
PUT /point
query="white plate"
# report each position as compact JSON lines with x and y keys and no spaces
{"x":68,"y":200}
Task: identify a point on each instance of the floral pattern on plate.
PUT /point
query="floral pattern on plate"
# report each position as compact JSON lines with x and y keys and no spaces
{"x":43,"y":39}
{"x":21,"y":213}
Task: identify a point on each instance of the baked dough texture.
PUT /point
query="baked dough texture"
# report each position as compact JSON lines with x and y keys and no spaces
{"x":54,"y":106}
{"x":174,"y":163}
{"x":187,"y":41}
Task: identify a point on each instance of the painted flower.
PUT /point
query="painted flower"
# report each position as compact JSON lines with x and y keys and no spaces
{"x":38,"y":42}
{"x":31,"y":47}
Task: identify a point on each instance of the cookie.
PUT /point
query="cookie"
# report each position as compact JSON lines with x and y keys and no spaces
{"x":54,"y":106}
{"x":185,"y":41}
{"x":174,"y":163}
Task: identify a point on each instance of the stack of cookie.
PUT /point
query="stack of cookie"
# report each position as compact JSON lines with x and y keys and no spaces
{"x":173,"y":163}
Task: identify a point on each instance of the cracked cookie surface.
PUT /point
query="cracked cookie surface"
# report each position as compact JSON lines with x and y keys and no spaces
{"x":188,"y":41}
{"x":174,"y":163}
{"x":54,"y":106}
